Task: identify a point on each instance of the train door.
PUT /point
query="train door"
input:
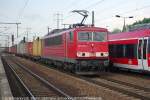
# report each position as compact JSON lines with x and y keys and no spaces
{"x":70,"y":43}
{"x":143,"y":53}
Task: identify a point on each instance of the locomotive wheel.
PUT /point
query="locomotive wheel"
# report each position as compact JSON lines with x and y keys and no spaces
{"x":69,"y":67}
{"x":65,"y":67}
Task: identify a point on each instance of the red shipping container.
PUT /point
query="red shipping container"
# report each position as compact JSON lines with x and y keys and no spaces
{"x":29,"y":48}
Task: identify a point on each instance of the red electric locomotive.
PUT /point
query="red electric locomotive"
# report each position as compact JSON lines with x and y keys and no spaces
{"x":130,"y":50}
{"x":81,"y":49}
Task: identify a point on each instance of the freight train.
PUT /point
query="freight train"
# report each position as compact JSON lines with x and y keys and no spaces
{"x":81,"y":49}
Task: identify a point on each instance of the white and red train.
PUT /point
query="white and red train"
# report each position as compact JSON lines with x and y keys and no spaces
{"x":130,"y":50}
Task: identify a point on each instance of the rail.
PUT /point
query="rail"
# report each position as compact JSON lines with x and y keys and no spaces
{"x":45,"y":81}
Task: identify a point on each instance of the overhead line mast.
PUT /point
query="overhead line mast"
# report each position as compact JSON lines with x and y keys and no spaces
{"x":12,"y":23}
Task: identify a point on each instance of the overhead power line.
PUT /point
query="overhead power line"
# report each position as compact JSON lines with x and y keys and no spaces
{"x":12,"y":23}
{"x":94,"y":4}
{"x":5,"y":29}
{"x":90,"y":6}
{"x":73,"y":3}
{"x":22,"y":10}
{"x":104,"y":10}
{"x":130,"y":11}
{"x":137,"y":9}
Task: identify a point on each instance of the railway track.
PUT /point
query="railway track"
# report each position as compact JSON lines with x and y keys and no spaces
{"x":79,"y":87}
{"x":35,"y":85}
{"x":141,"y":75}
{"x":141,"y":83}
{"x":132,"y":89}
{"x":128,"y":89}
{"x":135,"y":89}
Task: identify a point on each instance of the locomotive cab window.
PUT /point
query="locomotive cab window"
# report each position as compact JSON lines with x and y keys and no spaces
{"x":92,"y":36}
{"x":99,"y":36}
{"x":84,"y":36}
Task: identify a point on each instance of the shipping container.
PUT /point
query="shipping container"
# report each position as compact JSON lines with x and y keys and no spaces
{"x":29,"y":48}
{"x":37,"y":47}
{"x":13,"y":49}
{"x":21,"y":48}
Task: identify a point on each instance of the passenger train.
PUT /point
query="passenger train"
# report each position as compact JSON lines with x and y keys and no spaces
{"x":130,"y":50}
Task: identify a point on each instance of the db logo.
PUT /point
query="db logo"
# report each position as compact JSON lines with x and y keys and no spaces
{"x":130,"y":62}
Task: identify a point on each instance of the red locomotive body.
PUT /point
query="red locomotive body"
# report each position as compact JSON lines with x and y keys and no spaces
{"x":130,"y":50}
{"x":80,"y":49}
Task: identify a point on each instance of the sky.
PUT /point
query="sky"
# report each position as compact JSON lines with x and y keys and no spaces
{"x":36,"y":15}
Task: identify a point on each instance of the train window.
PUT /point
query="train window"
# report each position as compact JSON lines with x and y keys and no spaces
{"x":113,"y":50}
{"x":99,"y":36}
{"x":131,"y":51}
{"x":84,"y":36}
{"x":124,"y":50}
{"x":119,"y":51}
{"x":57,"y":40}
{"x":116,"y":51}
{"x":149,"y":45}
{"x":144,"y":49}
{"x":71,"y":36}
{"x":139,"y":49}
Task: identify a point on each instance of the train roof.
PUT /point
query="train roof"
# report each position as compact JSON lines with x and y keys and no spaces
{"x":56,"y":32}
{"x":76,"y":28}
{"x":128,"y":35}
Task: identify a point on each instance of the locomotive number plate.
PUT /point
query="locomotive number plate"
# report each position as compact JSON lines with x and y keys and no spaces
{"x":92,"y":54}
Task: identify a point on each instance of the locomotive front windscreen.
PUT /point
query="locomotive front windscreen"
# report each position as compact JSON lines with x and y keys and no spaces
{"x":92,"y":36}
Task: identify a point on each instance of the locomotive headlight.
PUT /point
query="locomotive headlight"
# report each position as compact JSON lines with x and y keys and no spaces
{"x":106,"y":54}
{"x":83,"y":54}
{"x":102,"y":54}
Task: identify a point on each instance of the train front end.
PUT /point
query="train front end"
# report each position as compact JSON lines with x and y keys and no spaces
{"x":92,"y":50}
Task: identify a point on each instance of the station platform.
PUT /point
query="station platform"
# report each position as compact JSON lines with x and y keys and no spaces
{"x":5,"y":92}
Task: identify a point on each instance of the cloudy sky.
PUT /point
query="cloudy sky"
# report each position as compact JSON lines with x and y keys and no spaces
{"x":36,"y":15}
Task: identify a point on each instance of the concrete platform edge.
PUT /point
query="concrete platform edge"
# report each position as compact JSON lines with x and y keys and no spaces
{"x":5,"y":91}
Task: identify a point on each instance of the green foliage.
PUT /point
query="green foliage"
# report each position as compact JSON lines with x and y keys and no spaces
{"x":116,"y":30}
{"x":144,"y":21}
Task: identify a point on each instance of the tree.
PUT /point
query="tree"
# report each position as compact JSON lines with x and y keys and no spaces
{"x":144,"y":21}
{"x":140,"y":22}
{"x":116,"y":30}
